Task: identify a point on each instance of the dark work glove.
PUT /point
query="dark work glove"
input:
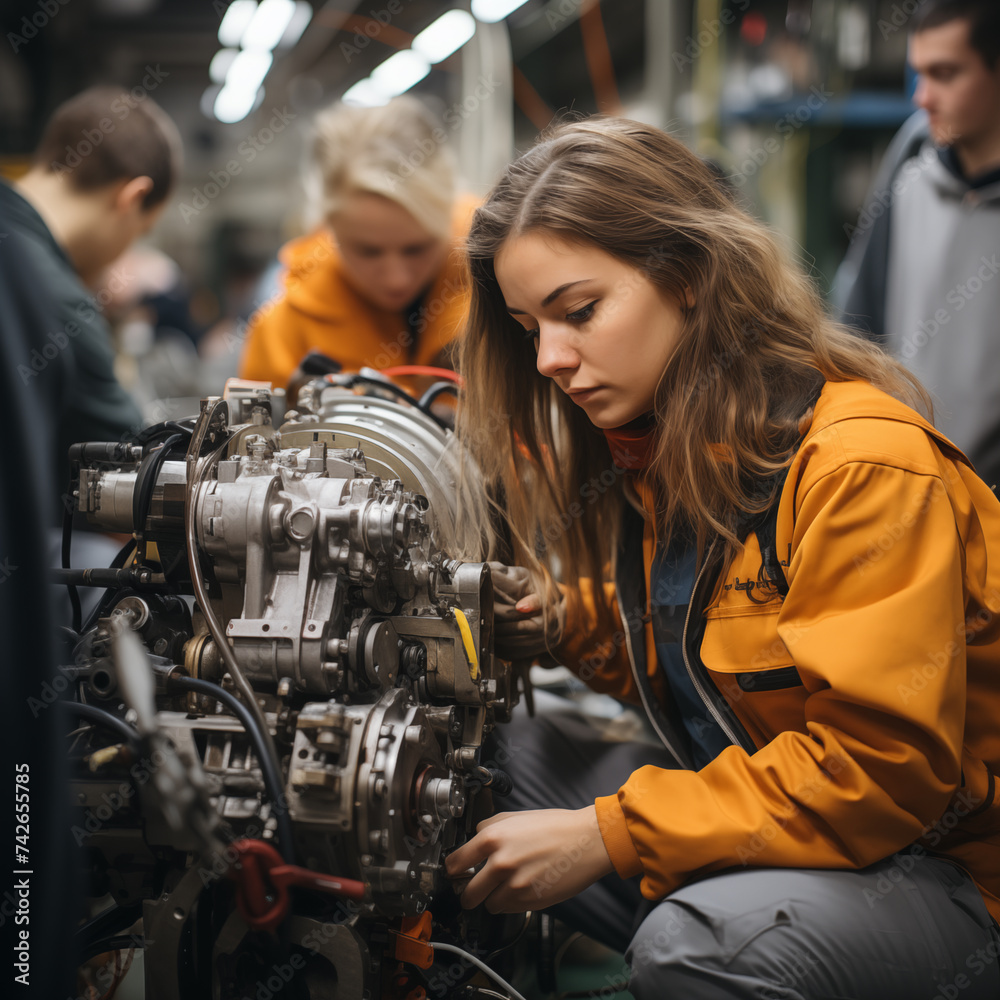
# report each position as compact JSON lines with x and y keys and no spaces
{"x":519,"y":625}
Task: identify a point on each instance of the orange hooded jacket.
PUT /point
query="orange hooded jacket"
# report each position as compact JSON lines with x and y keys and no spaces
{"x":864,"y":706}
{"x":321,"y":311}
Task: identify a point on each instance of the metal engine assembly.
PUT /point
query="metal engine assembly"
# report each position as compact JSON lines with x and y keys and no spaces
{"x":287,"y":685}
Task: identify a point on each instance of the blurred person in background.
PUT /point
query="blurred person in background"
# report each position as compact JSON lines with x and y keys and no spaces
{"x":156,"y":335}
{"x":922,"y":274}
{"x":98,"y":181}
{"x":35,"y":740}
{"x":382,"y":282}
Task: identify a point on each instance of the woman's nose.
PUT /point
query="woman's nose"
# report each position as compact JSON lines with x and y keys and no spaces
{"x":555,"y":354}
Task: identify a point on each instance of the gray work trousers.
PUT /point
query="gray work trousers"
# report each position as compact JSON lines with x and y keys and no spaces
{"x":908,"y":928}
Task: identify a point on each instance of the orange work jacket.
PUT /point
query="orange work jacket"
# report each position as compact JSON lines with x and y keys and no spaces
{"x":864,"y":706}
{"x":321,"y":311}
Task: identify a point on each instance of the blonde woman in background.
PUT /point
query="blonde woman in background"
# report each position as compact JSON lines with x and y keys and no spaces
{"x":383,"y":281}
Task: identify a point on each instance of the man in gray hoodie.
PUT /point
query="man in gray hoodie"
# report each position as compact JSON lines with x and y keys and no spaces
{"x":922,"y":274}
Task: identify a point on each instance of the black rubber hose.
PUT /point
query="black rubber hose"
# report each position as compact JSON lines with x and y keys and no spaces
{"x":272,"y":779}
{"x":437,"y":389}
{"x":109,"y":922}
{"x":111,"y":595}
{"x":149,"y":472}
{"x":138,"y":578}
{"x":500,"y":782}
{"x":358,"y":379}
{"x":156,"y":430}
{"x":114,"y":452}
{"x":67,"y":545}
{"x":545,"y":959}
{"x":317,"y":363}
{"x":398,"y":390}
{"x":103,"y":718}
{"x":110,"y":944}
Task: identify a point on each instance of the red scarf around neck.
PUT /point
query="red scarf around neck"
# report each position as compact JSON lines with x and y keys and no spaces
{"x":632,"y":445}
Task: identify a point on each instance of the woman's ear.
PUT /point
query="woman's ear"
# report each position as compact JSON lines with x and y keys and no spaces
{"x":687,"y":302}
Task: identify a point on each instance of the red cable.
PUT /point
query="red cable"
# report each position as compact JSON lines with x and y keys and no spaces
{"x":403,"y":370}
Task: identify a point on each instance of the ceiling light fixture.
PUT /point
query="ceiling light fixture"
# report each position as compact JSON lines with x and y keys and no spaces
{"x":268,"y":24}
{"x":492,"y":11}
{"x":234,"y":22}
{"x":400,"y":72}
{"x":445,"y":35}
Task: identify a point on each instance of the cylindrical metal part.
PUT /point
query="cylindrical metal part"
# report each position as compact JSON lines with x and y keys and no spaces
{"x":113,"y":492}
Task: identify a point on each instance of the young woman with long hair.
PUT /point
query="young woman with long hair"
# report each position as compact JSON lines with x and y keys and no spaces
{"x":728,"y":508}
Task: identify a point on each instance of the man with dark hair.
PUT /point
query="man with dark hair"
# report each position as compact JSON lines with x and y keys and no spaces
{"x":65,"y":220}
{"x":922,"y":274}
{"x":98,"y":181}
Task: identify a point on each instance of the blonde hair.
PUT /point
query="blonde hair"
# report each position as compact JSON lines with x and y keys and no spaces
{"x":398,"y":151}
{"x":754,"y":349}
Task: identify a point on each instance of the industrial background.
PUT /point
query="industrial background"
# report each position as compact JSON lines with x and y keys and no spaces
{"x":794,"y":100}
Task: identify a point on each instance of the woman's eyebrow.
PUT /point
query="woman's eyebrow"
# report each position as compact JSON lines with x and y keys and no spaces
{"x":551,"y":297}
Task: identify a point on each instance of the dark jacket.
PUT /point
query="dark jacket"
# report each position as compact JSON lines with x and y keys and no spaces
{"x":65,"y":338}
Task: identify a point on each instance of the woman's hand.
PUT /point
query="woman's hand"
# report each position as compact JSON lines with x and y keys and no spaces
{"x":519,"y":625}
{"x":533,"y":859}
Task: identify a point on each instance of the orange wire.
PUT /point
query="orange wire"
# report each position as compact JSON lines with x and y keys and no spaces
{"x":404,"y":370}
{"x":598,"y":56}
{"x":530,"y":102}
{"x":387,"y":34}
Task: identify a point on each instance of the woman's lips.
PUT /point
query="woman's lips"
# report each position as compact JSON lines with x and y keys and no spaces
{"x":582,"y":397}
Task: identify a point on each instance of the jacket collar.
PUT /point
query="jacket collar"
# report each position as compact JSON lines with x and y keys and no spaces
{"x":847,"y":400}
{"x":953,"y":165}
{"x":18,"y":209}
{"x":944,"y":172}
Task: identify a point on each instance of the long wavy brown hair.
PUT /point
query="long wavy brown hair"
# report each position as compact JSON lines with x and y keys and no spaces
{"x":754,"y":349}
